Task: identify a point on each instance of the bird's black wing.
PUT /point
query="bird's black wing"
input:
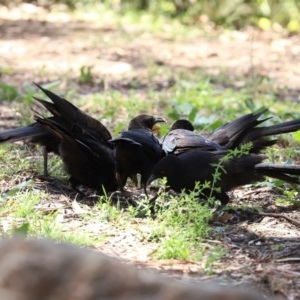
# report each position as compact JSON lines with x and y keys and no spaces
{"x":87,"y":161}
{"x":181,"y":140}
{"x":230,"y":135}
{"x":78,"y":121}
{"x":144,"y":138}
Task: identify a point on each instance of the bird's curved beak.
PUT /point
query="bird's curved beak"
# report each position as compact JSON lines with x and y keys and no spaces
{"x":156,"y":127}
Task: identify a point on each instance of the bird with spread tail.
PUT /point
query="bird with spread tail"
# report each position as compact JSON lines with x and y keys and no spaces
{"x":85,"y":144}
{"x":64,"y":113}
{"x":194,"y":158}
{"x":82,"y":142}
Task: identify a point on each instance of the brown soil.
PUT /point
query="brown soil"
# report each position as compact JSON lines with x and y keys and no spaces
{"x":262,"y":251}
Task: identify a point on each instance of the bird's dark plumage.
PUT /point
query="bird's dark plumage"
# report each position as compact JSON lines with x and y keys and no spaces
{"x":182,"y":124}
{"x":180,"y":140}
{"x":245,"y":129}
{"x":184,"y":170}
{"x":181,"y":137}
{"x":87,"y":160}
{"x":192,"y":157}
{"x":84,"y":144}
{"x":64,"y":113}
{"x":231,"y":134}
{"x":76,"y":120}
{"x":137,"y":150}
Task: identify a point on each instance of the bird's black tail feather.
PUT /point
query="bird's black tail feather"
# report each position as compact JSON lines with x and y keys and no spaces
{"x":285,"y":127}
{"x":247,"y":129}
{"x":231,"y":134}
{"x":22,"y":133}
{"x":288,"y":173}
{"x":71,"y":114}
{"x":258,"y":136}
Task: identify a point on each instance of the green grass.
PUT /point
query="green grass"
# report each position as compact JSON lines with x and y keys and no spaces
{"x":180,"y":227}
{"x":14,"y":159}
{"x":21,"y":213}
{"x":181,"y":224}
{"x":109,"y":212}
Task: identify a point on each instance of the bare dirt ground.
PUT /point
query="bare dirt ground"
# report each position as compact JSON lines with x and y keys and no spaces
{"x":263,"y":252}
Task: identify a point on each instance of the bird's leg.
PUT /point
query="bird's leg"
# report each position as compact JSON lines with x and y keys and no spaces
{"x":45,"y":156}
{"x":120,"y":181}
{"x":145,"y":189}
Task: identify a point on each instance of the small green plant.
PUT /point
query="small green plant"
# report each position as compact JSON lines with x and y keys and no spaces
{"x":296,"y":136}
{"x":21,"y":230}
{"x":220,"y":169}
{"x":15,"y":159}
{"x":175,"y":245}
{"x":108,"y":211}
{"x":26,"y":219}
{"x":86,"y":76}
{"x":214,"y":254}
{"x":181,"y":222}
{"x":27,"y":199}
{"x":49,"y":226}
{"x":8,"y":92}
{"x":20,"y":205}
{"x":289,"y":196}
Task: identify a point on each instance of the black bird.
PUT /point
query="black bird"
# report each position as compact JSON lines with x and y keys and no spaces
{"x":87,"y":154}
{"x":87,"y":159}
{"x":137,"y":150}
{"x":194,"y":157}
{"x":184,"y":170}
{"x":243,"y":130}
{"x":83,"y":144}
{"x":72,"y":118}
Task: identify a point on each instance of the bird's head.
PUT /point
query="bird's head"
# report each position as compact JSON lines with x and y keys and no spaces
{"x":182,"y":124}
{"x":168,"y":167}
{"x":146,"y":122}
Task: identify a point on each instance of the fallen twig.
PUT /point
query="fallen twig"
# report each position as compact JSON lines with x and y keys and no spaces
{"x":288,"y":259}
{"x":274,"y":215}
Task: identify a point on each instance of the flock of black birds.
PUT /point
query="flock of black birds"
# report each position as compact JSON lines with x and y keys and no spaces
{"x":93,"y":158}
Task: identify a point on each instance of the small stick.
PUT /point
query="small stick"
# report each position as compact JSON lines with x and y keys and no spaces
{"x":274,"y":215}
